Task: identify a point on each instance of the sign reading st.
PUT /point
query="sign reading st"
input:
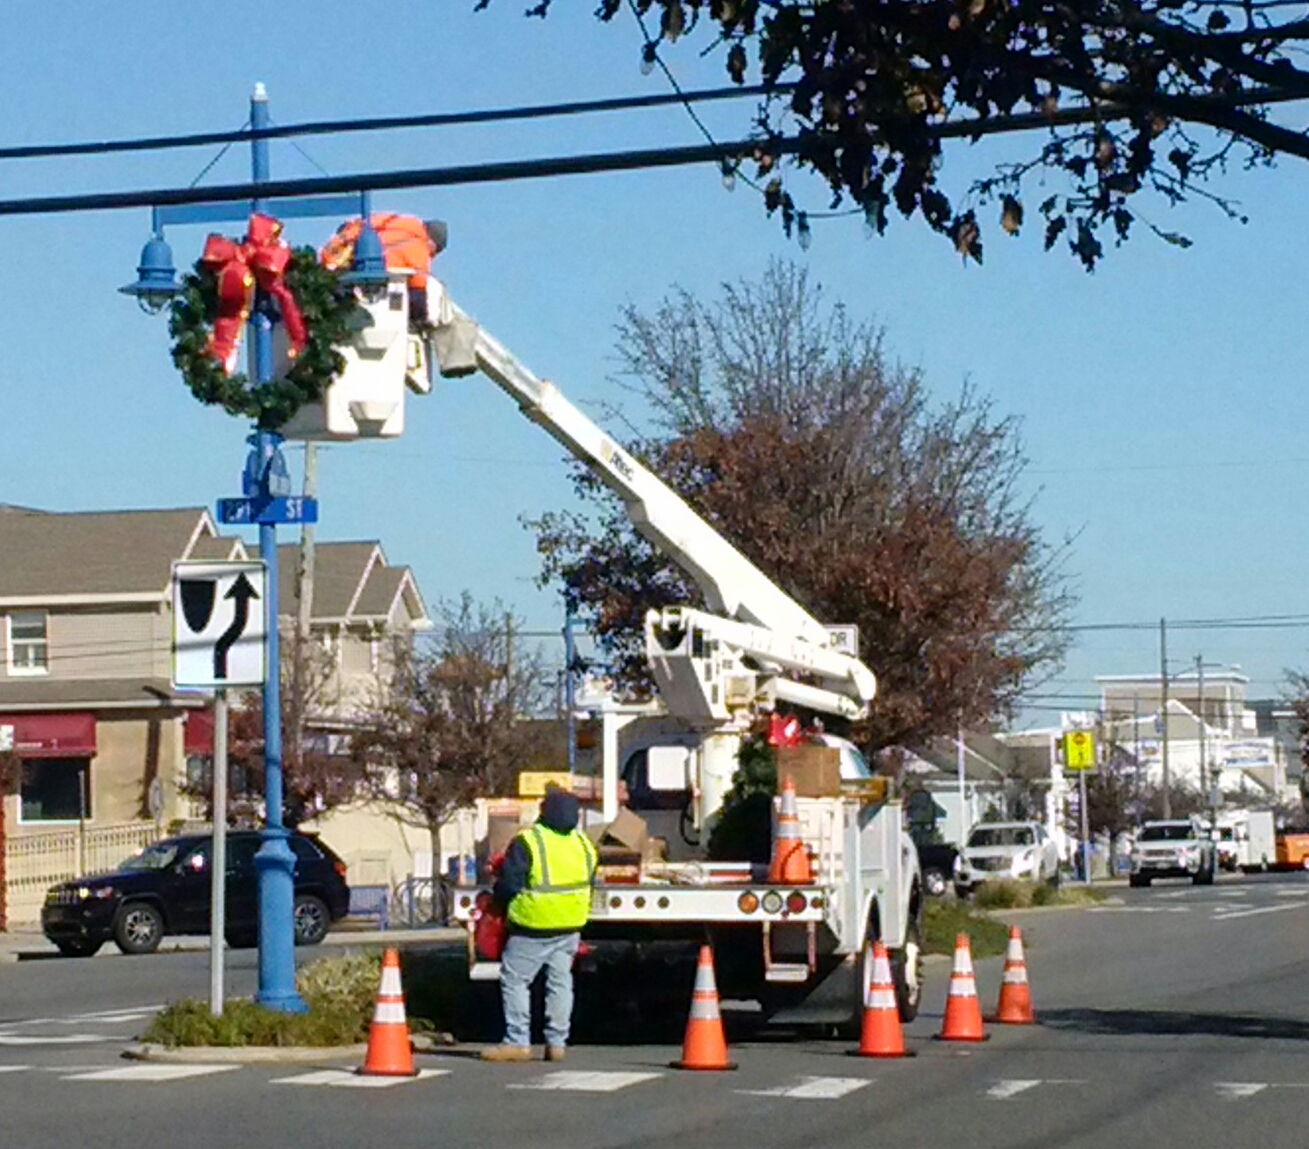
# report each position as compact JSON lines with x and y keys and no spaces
{"x":219,"y":626}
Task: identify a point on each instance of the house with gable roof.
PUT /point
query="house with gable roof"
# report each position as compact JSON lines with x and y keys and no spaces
{"x":105,"y":744}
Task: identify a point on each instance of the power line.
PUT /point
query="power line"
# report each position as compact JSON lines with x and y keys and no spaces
{"x":384,"y":123}
{"x":496,"y":172}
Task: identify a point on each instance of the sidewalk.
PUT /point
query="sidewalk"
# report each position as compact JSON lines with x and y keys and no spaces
{"x":29,"y":944}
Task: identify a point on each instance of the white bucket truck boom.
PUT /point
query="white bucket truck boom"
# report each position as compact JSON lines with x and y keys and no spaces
{"x":797,"y":950}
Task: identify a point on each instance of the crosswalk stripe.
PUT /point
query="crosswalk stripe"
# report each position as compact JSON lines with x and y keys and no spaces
{"x":1239,"y":1090}
{"x":813,"y":1088}
{"x":14,"y":1068}
{"x":349,"y":1079}
{"x":585,"y":1081}
{"x":150,"y":1072}
{"x":1004,"y":1090}
{"x":55,"y":1039}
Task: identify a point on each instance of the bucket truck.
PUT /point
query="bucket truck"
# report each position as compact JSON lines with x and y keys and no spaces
{"x":800,"y":951}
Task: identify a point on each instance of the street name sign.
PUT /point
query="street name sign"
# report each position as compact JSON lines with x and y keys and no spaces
{"x":220,"y":631}
{"x":270,"y":511}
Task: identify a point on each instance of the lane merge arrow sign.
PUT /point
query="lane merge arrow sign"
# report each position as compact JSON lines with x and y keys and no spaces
{"x":219,"y":637}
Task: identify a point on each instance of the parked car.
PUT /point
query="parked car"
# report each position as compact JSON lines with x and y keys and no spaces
{"x":1176,"y":848}
{"x":998,"y":850}
{"x":164,"y":889}
{"x":936,"y":861}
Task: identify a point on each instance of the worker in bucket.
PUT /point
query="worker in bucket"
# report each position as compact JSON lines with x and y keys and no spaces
{"x":545,"y":883}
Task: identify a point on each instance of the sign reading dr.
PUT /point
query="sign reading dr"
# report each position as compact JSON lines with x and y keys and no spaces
{"x":220,"y":630}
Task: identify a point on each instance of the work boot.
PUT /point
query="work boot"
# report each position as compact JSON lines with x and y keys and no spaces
{"x":507,"y":1053}
{"x":554,"y":1053}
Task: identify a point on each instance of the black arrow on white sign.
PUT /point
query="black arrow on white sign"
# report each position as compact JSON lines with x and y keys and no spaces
{"x":242,"y":592}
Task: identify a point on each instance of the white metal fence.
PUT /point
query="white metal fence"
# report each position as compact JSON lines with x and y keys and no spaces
{"x":35,"y":862}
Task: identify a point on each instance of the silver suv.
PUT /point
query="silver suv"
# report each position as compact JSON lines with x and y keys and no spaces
{"x":1181,"y":848}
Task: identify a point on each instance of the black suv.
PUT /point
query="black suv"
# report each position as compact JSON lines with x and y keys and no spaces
{"x":165,"y":889}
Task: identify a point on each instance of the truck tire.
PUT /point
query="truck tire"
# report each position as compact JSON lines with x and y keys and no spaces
{"x":907,"y":970}
{"x":935,"y":881}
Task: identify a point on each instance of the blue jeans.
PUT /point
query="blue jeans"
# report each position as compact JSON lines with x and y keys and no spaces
{"x":523,"y":958}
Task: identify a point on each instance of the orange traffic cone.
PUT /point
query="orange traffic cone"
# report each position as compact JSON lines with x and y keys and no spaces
{"x":705,"y":1046}
{"x":389,"y":1054}
{"x":880,"y":1035}
{"x":1015,"y":1006}
{"x":790,"y":865}
{"x":963,"y":1016}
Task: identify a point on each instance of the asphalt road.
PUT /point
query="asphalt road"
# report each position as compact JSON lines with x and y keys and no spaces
{"x":1177,"y":1018}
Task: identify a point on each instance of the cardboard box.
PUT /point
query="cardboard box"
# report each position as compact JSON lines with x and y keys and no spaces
{"x":815,"y":769}
{"x":623,"y":841}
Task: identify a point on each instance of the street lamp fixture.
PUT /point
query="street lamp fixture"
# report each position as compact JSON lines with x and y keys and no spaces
{"x":156,"y":277}
{"x":368,"y":267}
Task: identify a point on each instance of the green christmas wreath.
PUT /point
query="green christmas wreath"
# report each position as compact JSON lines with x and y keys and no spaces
{"x":326,"y":308}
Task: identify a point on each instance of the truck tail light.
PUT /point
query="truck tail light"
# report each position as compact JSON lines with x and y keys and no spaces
{"x":796,"y":902}
{"x":748,"y":902}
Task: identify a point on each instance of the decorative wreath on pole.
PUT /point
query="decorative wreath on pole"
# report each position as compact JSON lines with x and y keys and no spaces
{"x":215,"y":302}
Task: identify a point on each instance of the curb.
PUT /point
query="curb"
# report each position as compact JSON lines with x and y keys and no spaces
{"x":1015,"y":910}
{"x":270,"y":1054}
{"x":26,"y":947}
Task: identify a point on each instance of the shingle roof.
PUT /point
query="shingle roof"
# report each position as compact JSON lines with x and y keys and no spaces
{"x":339,"y":569}
{"x":378,"y":595}
{"x":18,"y":694}
{"x":92,"y":552}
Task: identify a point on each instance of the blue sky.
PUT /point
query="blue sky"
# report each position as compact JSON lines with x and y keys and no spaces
{"x":1161,"y":397}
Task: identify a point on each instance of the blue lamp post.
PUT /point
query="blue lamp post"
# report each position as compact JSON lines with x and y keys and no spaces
{"x":266,"y":501}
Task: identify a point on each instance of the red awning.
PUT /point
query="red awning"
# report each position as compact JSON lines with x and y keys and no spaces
{"x":198,"y":734}
{"x":52,"y":735}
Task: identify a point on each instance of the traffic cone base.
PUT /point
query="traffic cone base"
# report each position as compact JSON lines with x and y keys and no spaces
{"x":1015,"y":1004}
{"x":389,"y":1052}
{"x":705,"y":1046}
{"x":880,"y":1033}
{"x":963,"y":1015}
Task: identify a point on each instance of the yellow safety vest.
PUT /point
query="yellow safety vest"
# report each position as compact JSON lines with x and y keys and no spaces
{"x":558,"y":893}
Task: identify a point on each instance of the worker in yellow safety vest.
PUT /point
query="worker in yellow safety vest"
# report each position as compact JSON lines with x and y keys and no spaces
{"x":545,"y":883}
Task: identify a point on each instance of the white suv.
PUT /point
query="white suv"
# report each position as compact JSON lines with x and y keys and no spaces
{"x":997,"y":850}
{"x":1181,"y":848}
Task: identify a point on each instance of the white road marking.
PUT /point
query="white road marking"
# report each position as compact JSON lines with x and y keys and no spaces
{"x":151,"y":1072}
{"x":813,"y":1088}
{"x":1139,"y":910}
{"x":105,"y":1017}
{"x":1290,"y":893}
{"x":585,"y":1081}
{"x":1239,"y":1090}
{"x":1003,"y":1090}
{"x":14,"y":1068}
{"x":1273,"y":909}
{"x":55,"y":1039}
{"x":349,"y":1079}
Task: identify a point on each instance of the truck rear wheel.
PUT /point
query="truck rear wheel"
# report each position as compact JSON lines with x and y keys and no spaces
{"x":907,"y":972}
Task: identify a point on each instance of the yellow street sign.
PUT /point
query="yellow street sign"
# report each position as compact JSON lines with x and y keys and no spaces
{"x":1079,"y":750}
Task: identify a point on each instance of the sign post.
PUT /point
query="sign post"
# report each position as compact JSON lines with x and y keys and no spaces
{"x":1079,"y":756}
{"x":218,"y":858}
{"x":219,"y":640}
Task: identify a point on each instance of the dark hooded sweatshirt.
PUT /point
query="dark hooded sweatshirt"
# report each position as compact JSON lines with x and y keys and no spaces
{"x":559,"y":814}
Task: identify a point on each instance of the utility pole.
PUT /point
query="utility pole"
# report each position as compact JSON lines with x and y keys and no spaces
{"x":304,"y":608}
{"x":570,"y":690}
{"x":1163,"y":709}
{"x":509,"y":663}
{"x":1203,"y":731}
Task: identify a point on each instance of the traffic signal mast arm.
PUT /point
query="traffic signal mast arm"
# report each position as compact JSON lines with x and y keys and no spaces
{"x":763,"y":624}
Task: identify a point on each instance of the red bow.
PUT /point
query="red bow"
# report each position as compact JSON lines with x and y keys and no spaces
{"x":238,"y":268}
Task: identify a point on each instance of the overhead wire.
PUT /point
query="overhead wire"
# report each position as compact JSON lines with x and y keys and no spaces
{"x":384,"y":123}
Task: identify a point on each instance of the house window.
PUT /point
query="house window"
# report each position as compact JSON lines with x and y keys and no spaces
{"x":55,"y":790}
{"x":28,"y":652}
